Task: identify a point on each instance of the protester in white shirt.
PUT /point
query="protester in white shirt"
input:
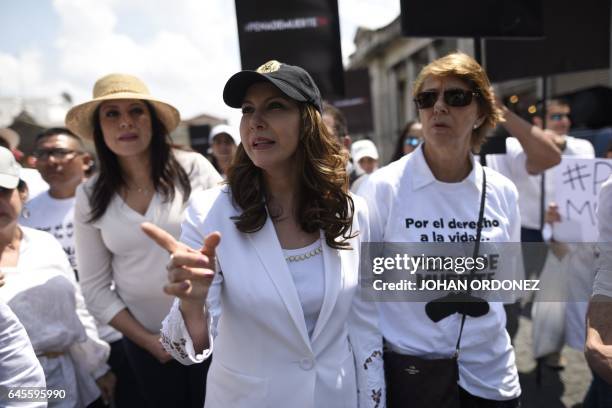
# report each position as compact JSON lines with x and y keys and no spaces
{"x":514,"y":165}
{"x":41,"y":290}
{"x":141,"y":178}
{"x":436,"y":184}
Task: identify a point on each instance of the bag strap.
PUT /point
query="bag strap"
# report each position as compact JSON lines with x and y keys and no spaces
{"x":476,"y":245}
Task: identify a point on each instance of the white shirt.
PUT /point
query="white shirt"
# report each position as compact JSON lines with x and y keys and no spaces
{"x":309,"y":279}
{"x":603,"y":279}
{"x":513,"y":165}
{"x":56,"y":216}
{"x":19,"y":366}
{"x":42,"y":292}
{"x":407,"y":189}
{"x":34,"y":180}
{"x":114,"y":248}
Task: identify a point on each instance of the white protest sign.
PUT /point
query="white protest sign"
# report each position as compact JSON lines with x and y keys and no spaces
{"x":577,"y":183}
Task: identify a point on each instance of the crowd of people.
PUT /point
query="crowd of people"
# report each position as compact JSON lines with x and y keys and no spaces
{"x":153,"y":276}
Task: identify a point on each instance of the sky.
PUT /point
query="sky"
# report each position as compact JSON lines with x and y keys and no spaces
{"x":184,"y":50}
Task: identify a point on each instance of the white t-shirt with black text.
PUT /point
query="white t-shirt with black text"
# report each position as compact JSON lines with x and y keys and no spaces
{"x":407,"y":189}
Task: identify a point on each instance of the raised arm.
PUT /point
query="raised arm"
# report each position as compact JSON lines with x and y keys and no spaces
{"x":538,"y":144}
{"x":185,"y":331}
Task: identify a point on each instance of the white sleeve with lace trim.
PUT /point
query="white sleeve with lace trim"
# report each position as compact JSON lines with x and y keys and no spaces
{"x":365,"y":335}
{"x":174,"y":335}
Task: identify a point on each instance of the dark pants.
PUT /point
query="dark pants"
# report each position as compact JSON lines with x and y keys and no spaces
{"x":471,"y":401}
{"x":167,"y":385}
{"x":599,"y":394}
{"x":127,"y":392}
{"x":534,"y":253}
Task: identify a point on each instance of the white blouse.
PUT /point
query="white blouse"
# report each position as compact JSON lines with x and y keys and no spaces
{"x":42,"y":292}
{"x":114,"y":248}
{"x":307,"y":270}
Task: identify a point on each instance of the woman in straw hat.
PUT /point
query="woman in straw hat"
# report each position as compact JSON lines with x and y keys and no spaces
{"x":141,"y":178}
{"x":285,"y":316}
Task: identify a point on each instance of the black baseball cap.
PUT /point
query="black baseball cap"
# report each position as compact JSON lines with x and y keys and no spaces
{"x":291,"y":80}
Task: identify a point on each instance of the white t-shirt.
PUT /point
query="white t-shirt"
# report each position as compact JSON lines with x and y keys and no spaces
{"x":513,"y":165}
{"x":35,"y":182}
{"x":114,"y":248}
{"x":603,"y":279}
{"x":407,"y":189}
{"x":56,"y":216}
{"x":309,"y":279}
{"x":19,"y":366}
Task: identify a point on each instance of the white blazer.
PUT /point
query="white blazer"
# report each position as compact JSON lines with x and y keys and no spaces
{"x":263,"y":356}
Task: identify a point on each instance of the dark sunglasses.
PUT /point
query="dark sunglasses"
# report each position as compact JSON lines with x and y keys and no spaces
{"x":559,"y":116}
{"x":452,"y":97}
{"x":460,"y":302}
{"x":56,"y":153}
{"x":412,"y":141}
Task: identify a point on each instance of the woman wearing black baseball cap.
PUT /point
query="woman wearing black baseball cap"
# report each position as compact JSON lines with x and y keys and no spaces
{"x":271,"y":261}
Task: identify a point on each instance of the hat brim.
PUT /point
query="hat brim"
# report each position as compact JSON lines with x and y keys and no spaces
{"x":80,"y":118}
{"x":237,"y":86}
{"x":8,"y":181}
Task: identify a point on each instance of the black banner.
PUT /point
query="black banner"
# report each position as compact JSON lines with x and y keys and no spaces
{"x":577,"y":39}
{"x":297,"y":32}
{"x":357,"y":104}
{"x":472,"y":18}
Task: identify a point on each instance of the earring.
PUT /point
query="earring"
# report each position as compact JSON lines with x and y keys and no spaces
{"x":25,"y":213}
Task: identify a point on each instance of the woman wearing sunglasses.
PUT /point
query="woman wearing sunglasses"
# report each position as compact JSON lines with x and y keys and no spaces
{"x":436,"y":355}
{"x":409,"y":140}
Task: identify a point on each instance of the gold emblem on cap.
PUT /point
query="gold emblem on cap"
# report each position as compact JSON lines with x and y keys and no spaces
{"x":268,"y":67}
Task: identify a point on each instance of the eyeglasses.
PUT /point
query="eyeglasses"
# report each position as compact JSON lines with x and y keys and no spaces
{"x":559,"y":116}
{"x":412,"y":141}
{"x":57,"y":153}
{"x":452,"y":97}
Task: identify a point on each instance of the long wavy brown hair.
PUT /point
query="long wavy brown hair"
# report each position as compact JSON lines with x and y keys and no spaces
{"x":324,"y":202}
{"x":166,"y":172}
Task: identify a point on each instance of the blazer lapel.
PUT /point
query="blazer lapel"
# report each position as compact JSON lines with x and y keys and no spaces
{"x":333,"y":282}
{"x":271,"y":256}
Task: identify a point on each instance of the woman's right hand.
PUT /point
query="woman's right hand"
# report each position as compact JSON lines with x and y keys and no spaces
{"x":190,"y":272}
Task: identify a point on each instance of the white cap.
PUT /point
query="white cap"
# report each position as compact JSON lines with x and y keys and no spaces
{"x":9,"y":169}
{"x":11,"y":137}
{"x":363,"y":148}
{"x":219,"y":129}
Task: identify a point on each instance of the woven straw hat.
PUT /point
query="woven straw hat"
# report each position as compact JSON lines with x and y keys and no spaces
{"x":79,"y":119}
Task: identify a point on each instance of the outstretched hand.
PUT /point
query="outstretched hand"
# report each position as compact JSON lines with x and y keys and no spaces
{"x":190,"y":272}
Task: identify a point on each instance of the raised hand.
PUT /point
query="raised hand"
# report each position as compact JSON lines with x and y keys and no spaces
{"x":190,"y":272}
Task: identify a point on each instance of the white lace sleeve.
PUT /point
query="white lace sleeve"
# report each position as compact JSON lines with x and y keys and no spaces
{"x":365,"y":335}
{"x":174,"y":335}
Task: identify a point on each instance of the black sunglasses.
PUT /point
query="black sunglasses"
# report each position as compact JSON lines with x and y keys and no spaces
{"x":452,"y":97}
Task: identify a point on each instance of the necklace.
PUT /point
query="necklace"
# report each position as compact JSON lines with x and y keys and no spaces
{"x":303,"y":257}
